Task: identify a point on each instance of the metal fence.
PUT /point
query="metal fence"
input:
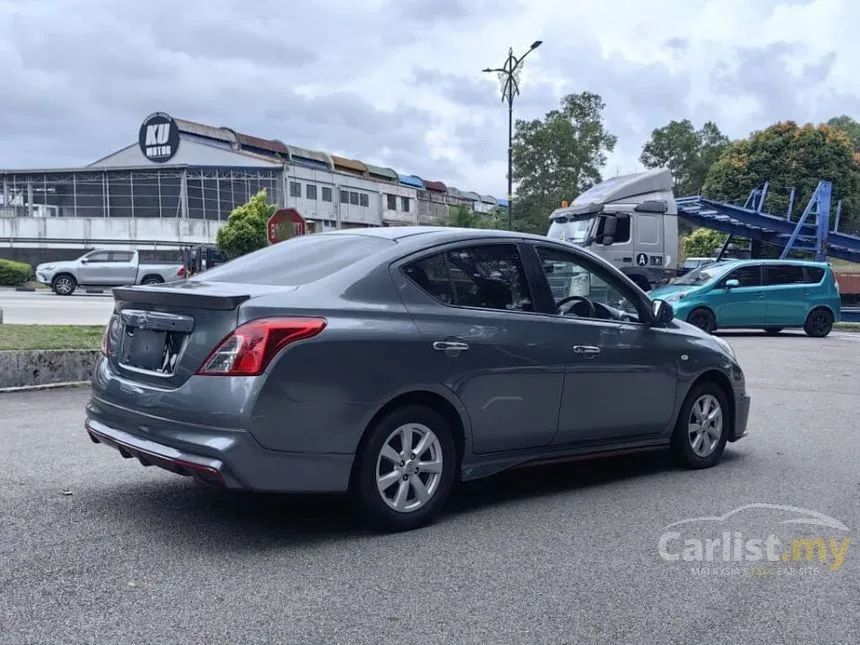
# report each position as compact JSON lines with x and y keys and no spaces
{"x":209,"y":194}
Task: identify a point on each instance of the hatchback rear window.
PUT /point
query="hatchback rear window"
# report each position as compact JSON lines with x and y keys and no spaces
{"x":298,"y":261}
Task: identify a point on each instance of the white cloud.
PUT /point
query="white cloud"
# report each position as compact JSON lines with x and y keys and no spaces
{"x":399,"y":83}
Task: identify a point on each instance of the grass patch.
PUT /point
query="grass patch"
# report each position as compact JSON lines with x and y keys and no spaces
{"x":28,"y":337}
{"x":847,"y":326}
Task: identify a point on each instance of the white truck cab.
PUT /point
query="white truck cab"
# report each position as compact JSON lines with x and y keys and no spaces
{"x":629,"y":220}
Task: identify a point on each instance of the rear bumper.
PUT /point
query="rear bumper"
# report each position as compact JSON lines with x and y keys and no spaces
{"x":225,"y":458}
{"x":742,"y":413}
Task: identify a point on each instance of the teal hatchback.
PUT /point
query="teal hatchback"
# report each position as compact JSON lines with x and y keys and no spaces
{"x":765,"y":294}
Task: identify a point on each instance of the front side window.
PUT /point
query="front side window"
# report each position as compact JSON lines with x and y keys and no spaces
{"x":749,"y":276}
{"x":579,"y":291}
{"x":101,"y":256}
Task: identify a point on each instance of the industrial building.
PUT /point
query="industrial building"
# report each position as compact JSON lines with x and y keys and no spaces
{"x":177,"y":184}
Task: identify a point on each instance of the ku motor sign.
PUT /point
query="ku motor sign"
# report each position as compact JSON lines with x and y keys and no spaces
{"x":285,"y":224}
{"x":159,"y":137}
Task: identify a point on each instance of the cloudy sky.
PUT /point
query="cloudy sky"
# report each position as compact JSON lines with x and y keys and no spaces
{"x":398,"y":82}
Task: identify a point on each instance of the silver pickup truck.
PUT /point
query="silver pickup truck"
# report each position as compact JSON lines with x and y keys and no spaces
{"x":101,"y":268}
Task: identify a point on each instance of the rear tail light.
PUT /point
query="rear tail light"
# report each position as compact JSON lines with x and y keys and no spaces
{"x":106,"y":337}
{"x":249,"y":349}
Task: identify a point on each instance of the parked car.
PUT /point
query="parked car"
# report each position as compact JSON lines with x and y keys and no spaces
{"x":103,"y":268}
{"x":390,"y":363}
{"x":768,"y":294}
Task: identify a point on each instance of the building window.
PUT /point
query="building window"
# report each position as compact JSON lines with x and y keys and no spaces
{"x":353,"y":198}
{"x":392,"y":202}
{"x":364,"y":200}
{"x":344,"y":196}
{"x":404,"y":204}
{"x":310,"y":191}
{"x":326,"y":194}
{"x":295,"y":189}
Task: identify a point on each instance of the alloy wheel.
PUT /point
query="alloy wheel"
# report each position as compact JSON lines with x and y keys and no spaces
{"x":705,"y":425}
{"x":63,"y":285}
{"x":409,"y":467}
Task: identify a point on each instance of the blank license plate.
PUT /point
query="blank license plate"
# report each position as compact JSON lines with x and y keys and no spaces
{"x":146,"y":349}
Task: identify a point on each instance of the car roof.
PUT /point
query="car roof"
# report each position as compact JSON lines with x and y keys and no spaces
{"x":435,"y":233}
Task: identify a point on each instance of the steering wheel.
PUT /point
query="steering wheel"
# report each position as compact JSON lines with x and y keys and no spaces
{"x":564,"y":301}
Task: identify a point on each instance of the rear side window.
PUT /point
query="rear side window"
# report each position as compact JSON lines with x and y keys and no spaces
{"x":777,"y":274}
{"x":298,"y":261}
{"x":486,"y":276}
{"x":814,"y":275}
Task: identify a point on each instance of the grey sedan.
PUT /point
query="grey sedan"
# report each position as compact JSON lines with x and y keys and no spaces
{"x":392,"y":363}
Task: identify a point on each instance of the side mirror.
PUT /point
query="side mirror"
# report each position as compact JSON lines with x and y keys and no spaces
{"x":663,"y":312}
{"x":548,"y":267}
{"x":84,"y":261}
{"x":731,"y":284}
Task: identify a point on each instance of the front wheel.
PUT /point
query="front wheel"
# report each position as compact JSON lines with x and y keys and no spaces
{"x":703,"y":319}
{"x":703,"y":427}
{"x":64,"y":284}
{"x":819,"y":323}
{"x":406,"y":469}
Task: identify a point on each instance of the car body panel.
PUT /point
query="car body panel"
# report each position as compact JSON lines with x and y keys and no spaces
{"x":518,"y":393}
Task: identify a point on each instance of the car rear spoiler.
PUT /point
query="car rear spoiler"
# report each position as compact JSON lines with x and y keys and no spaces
{"x":180,"y":296}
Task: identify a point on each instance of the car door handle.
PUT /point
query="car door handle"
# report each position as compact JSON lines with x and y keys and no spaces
{"x":448,"y":345}
{"x":585,"y":349}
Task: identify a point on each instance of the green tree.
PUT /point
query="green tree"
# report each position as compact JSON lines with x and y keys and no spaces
{"x":463,"y":216}
{"x":558,"y":158}
{"x":687,"y":152}
{"x":702,"y":243}
{"x":245,"y":230}
{"x":849,"y":126}
{"x":789,"y":156}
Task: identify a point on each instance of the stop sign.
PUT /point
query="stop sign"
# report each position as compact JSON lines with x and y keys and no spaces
{"x":284,"y":224}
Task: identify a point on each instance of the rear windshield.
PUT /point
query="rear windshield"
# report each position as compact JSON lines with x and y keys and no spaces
{"x":298,"y":261}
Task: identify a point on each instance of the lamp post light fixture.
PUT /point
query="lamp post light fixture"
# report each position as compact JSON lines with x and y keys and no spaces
{"x":509,"y":77}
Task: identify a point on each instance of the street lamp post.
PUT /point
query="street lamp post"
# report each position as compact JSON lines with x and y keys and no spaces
{"x":509,"y":75}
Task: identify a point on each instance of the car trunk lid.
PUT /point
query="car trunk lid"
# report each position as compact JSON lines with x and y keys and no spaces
{"x":161,"y":334}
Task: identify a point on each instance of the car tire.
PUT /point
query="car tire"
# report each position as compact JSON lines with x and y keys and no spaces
{"x":151,"y":281}
{"x":64,"y":284}
{"x":384,"y":441}
{"x":696,"y":444}
{"x":819,"y":323}
{"x":772,"y":331}
{"x":703,"y":319}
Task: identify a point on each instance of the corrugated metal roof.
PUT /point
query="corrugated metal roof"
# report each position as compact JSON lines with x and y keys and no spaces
{"x":349,"y":164}
{"x":489,"y":199}
{"x":455,"y":192}
{"x":410,"y":180}
{"x":475,"y":197}
{"x":269,"y":145}
{"x":379,"y":171}
{"x":313,"y":155}
{"x":503,"y":202}
{"x":211,"y":132}
{"x":437,"y":186}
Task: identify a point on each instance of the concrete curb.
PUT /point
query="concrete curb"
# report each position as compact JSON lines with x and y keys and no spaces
{"x":37,"y":388}
{"x":40,"y":368}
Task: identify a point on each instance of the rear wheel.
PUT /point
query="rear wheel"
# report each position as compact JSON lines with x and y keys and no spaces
{"x":703,"y":427}
{"x":819,"y":323}
{"x":64,"y":284}
{"x":153,"y":279}
{"x":406,"y":469}
{"x":703,"y":319}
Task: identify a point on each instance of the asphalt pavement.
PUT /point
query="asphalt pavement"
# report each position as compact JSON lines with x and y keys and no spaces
{"x":97,"y":549}
{"x":46,"y":308}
